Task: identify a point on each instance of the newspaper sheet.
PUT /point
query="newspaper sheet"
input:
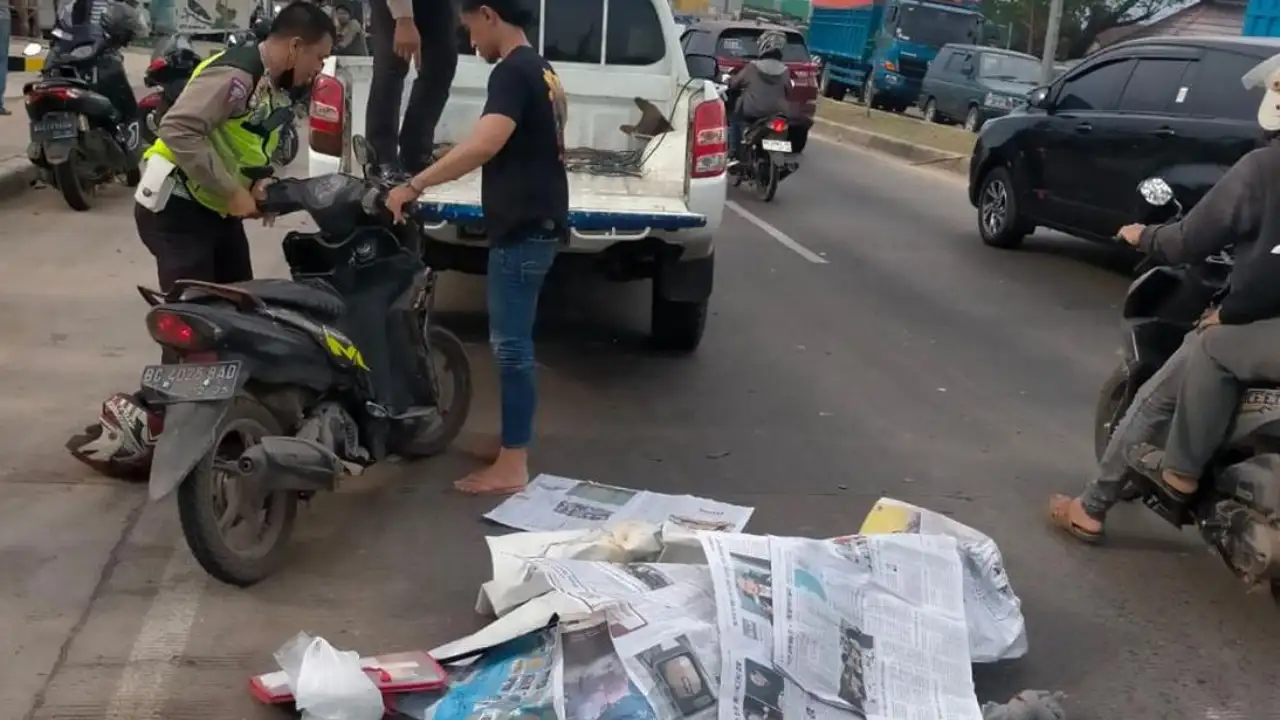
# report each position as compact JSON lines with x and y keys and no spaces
{"x":557,"y":503}
{"x":875,"y":625}
{"x":750,"y":688}
{"x":515,"y":681}
{"x":661,"y":620}
{"x":997,"y":629}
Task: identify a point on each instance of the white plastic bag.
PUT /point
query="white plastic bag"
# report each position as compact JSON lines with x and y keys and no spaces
{"x":327,"y":683}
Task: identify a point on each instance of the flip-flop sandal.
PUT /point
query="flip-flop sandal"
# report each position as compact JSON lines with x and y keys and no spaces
{"x":1060,"y":517}
{"x":1148,"y":460}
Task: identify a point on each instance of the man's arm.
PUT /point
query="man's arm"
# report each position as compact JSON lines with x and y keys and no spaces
{"x":1231,"y":209}
{"x":509,"y":93}
{"x":739,"y":79}
{"x":210,"y":99}
{"x":401,"y":9}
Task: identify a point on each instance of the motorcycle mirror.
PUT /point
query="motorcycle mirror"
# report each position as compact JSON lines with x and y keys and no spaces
{"x":1156,"y":191}
{"x":32,"y":49}
{"x":361,"y":151}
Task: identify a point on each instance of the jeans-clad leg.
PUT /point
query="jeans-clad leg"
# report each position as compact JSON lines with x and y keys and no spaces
{"x":516,"y":273}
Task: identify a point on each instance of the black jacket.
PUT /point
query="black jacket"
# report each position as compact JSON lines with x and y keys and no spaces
{"x":1243,"y":210}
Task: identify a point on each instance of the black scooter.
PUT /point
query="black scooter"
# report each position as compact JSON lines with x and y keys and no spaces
{"x":1234,"y":509}
{"x":283,"y":387}
{"x":80,"y":136}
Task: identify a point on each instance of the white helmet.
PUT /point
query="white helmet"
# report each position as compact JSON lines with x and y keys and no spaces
{"x":1266,"y":74}
{"x":770,"y":40}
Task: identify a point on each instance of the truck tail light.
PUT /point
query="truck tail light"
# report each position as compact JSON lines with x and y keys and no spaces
{"x":328,"y":115}
{"x":710,"y":150}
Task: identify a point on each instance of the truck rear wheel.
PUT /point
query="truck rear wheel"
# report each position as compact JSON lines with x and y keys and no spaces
{"x":677,"y":326}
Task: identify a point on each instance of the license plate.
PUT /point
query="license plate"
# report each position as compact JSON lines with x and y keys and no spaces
{"x":194,"y":381}
{"x":776,"y":145}
{"x":56,"y":126}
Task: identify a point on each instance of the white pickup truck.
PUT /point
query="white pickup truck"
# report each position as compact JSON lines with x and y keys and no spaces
{"x":656,"y":217}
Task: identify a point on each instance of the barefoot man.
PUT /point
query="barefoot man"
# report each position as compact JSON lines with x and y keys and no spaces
{"x":519,"y":141}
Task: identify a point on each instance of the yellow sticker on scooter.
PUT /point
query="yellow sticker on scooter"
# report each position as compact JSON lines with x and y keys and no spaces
{"x":343,"y":348}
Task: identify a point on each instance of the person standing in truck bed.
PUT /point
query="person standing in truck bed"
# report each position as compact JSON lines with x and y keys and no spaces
{"x":404,"y":31}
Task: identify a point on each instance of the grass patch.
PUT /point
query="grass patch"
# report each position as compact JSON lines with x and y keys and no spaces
{"x":911,"y":129}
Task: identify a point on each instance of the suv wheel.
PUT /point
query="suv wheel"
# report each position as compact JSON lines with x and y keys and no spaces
{"x":931,"y":111}
{"x":973,"y":121}
{"x":999,"y":221}
{"x":677,"y":326}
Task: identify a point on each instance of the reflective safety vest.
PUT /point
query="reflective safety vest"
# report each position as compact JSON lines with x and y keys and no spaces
{"x":241,"y":142}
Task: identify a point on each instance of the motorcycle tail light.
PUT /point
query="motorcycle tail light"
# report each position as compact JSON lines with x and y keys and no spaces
{"x":778,"y":125}
{"x":57,"y":93}
{"x":180,"y":331}
{"x":157,"y":65}
{"x":150,"y":101}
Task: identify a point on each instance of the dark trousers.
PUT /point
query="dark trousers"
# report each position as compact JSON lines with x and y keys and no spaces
{"x":436,"y":21}
{"x":191,"y":242}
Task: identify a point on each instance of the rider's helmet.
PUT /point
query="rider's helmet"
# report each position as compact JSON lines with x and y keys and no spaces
{"x":1266,"y":75}
{"x":771,"y":43}
{"x":122,"y":22}
{"x":120,"y":445}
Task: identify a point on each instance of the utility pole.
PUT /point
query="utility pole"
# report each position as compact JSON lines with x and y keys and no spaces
{"x":1051,"y":33}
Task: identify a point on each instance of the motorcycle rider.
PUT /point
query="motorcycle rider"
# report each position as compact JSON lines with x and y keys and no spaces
{"x":761,"y":89}
{"x":1196,"y":393}
{"x":219,"y":128}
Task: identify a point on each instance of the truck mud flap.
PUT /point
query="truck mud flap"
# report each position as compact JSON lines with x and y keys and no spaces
{"x":189,"y":433}
{"x":441,"y":214}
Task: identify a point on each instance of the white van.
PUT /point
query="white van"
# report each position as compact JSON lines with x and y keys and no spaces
{"x":640,"y":206}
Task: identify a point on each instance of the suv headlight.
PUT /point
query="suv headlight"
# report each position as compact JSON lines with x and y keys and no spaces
{"x":1003,"y":102}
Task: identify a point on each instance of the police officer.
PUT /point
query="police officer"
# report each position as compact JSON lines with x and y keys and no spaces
{"x":225,"y":124}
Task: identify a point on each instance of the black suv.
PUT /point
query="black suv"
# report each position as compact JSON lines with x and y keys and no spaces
{"x":1072,"y":158}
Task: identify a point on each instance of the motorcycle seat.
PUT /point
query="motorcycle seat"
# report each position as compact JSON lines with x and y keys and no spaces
{"x":307,"y":298}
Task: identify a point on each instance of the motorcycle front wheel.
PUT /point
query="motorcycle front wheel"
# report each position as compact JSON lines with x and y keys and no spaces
{"x":1113,"y":401}
{"x":237,"y":534}
{"x":452,"y":370}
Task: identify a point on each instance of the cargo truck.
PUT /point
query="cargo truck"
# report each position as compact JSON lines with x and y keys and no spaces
{"x":880,"y":49}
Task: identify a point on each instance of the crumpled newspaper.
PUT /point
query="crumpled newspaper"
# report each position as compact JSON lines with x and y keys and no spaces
{"x":1027,"y":705}
{"x":328,"y":683}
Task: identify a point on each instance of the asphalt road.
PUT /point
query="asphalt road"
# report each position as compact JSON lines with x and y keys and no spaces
{"x":891,"y":354}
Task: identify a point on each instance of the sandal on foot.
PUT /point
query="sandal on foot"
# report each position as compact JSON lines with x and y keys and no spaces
{"x":1060,"y":517}
{"x":1148,"y":460}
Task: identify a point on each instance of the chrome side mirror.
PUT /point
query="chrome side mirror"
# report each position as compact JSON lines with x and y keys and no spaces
{"x":1156,"y":191}
{"x":360,"y":150}
{"x":1039,"y":98}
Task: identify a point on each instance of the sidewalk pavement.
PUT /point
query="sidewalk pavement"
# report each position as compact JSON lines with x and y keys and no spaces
{"x":16,"y":172}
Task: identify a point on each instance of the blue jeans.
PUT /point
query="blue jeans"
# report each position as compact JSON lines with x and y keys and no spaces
{"x":4,"y":43}
{"x":515,"y":279}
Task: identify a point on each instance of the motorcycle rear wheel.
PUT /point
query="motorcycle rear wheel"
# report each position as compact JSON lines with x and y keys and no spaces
{"x":67,"y":176}
{"x":436,"y":437}
{"x":201,"y":492}
{"x":767,"y":179}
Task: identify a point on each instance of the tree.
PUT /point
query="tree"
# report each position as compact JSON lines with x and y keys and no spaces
{"x":1082,"y":21}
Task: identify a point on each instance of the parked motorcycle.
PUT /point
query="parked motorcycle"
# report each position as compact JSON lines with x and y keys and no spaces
{"x":1234,"y":509}
{"x":284,"y":387}
{"x":80,"y":137}
{"x":168,"y":73}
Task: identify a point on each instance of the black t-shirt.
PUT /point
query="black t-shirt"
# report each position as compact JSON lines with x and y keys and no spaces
{"x":524,"y":188}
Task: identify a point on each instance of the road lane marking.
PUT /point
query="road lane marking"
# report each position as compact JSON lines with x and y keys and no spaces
{"x":777,"y":234}
{"x":162,"y":641}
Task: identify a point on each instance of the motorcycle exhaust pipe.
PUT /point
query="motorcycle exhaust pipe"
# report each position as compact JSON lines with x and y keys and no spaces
{"x":292,"y":464}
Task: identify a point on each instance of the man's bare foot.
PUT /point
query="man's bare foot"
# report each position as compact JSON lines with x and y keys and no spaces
{"x":509,"y":474}
{"x":1067,"y":513}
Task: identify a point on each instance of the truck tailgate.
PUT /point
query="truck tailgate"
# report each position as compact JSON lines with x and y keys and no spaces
{"x":596,"y":203}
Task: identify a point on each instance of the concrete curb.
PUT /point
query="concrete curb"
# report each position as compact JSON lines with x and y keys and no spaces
{"x":16,"y":176}
{"x":914,"y":154}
